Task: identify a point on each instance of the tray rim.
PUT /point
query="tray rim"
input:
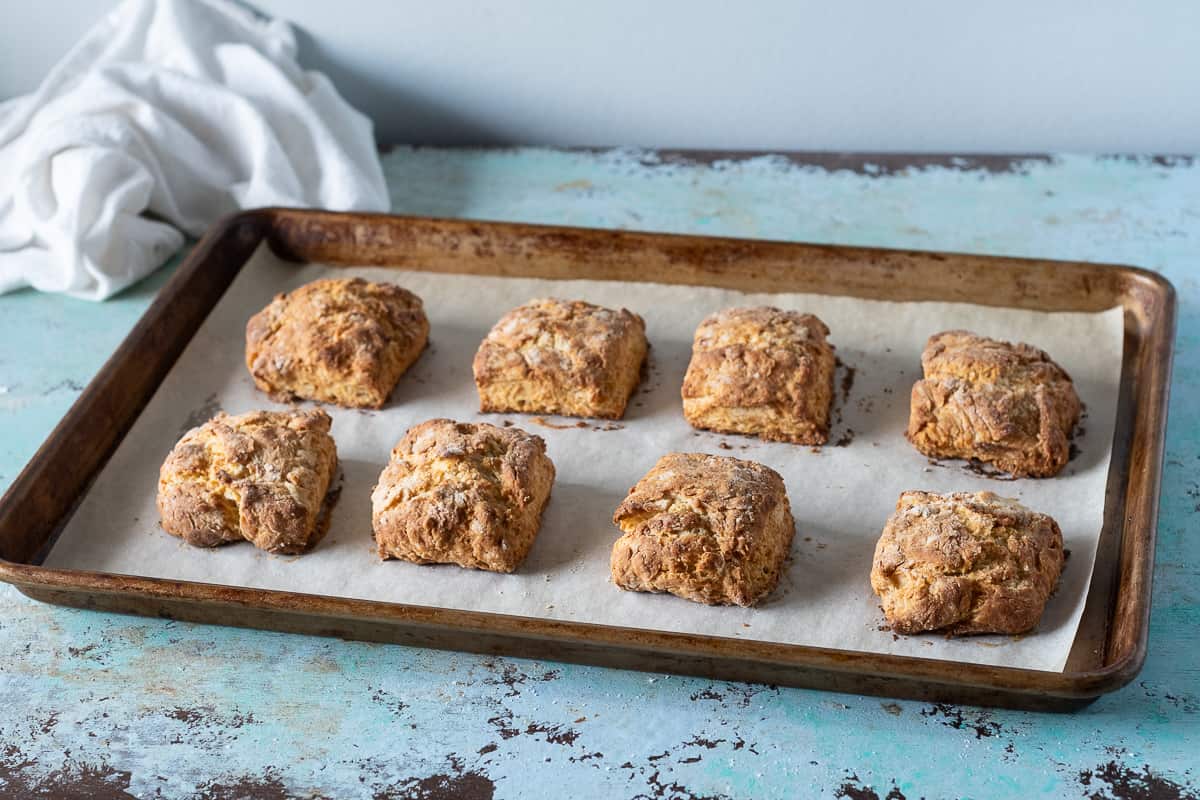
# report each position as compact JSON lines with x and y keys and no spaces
{"x":247,"y":229}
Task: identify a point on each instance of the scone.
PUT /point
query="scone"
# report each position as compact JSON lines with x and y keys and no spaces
{"x":261,"y":476}
{"x":965,"y":563}
{"x":561,"y":357}
{"x":345,"y":341}
{"x":761,"y":371}
{"x":706,"y":528}
{"x":1007,"y":404}
{"x":462,"y":493}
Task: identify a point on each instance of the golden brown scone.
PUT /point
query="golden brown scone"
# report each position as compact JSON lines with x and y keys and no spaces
{"x":761,"y":371}
{"x":345,"y":341}
{"x":561,"y":357}
{"x":261,"y":476}
{"x":965,"y":563}
{"x":462,"y":493}
{"x":706,"y":528}
{"x":994,"y":401}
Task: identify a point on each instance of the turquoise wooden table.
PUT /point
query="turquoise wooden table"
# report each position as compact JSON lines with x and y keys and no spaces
{"x":100,"y":705}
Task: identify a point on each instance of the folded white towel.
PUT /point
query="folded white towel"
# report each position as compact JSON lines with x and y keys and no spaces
{"x":168,"y":111}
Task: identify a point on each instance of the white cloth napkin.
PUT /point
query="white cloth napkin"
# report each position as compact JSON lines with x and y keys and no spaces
{"x":167,"y":115}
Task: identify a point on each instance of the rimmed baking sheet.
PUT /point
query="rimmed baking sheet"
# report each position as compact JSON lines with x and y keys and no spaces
{"x":841,"y":494}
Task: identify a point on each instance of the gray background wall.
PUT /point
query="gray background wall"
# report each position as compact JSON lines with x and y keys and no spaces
{"x":1015,"y":76}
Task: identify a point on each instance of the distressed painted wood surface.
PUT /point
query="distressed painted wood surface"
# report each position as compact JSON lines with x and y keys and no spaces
{"x":110,"y":706}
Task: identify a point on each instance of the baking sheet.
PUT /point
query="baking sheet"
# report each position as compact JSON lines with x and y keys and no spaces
{"x":841,"y":494}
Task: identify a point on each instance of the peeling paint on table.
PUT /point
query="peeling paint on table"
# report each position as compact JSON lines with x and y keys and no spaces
{"x":101,"y":705}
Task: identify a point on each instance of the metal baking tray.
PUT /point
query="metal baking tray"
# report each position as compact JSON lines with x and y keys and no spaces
{"x":1109,"y":648}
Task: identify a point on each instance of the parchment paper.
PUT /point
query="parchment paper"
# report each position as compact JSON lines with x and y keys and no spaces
{"x":841,"y":494}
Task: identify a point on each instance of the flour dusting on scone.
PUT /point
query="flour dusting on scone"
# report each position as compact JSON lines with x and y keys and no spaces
{"x":345,"y":341}
{"x":965,"y":563}
{"x":710,"y":529}
{"x":994,"y":401}
{"x":262,"y":477}
{"x":761,"y":371}
{"x":462,"y":493}
{"x":561,"y":357}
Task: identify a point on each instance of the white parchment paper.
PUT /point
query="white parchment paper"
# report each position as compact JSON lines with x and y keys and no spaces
{"x":840,"y":495}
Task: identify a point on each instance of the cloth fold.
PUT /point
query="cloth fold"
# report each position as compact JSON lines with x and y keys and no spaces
{"x":167,"y":115}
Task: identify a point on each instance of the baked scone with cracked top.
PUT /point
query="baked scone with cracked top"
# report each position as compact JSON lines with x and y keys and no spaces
{"x":761,"y":371}
{"x":711,"y":529}
{"x":261,"y":476}
{"x":462,"y":493}
{"x":994,"y":401}
{"x":345,"y":341}
{"x":965,"y":563}
{"x":561,"y":357}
